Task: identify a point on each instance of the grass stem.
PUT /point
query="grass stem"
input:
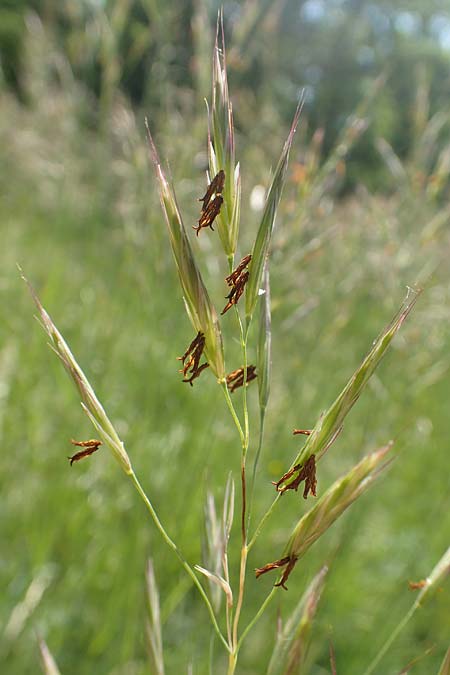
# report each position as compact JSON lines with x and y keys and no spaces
{"x":180,"y":556}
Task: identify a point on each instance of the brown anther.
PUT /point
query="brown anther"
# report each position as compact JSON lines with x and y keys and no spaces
{"x":232,"y":278}
{"x":215,"y":187}
{"x":307,"y":473}
{"x":237,"y":280}
{"x":191,"y":359}
{"x":195,"y":342}
{"x":196,"y":373}
{"x":288,"y":562}
{"x":208,"y":215}
{"x":90,"y":447}
{"x":305,"y":432}
{"x":417,"y":585}
{"x":235,"y":292}
{"x":235,"y":379}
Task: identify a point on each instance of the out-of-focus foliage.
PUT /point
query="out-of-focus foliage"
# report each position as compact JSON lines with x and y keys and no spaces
{"x":335,"y":49}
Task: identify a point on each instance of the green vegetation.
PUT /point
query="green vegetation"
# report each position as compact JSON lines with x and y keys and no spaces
{"x":80,"y":213}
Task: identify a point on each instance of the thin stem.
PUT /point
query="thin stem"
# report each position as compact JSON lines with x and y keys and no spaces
{"x":245,"y":443}
{"x":233,"y":412}
{"x":255,"y":464}
{"x":390,"y":640}
{"x":262,"y":522}
{"x":180,"y":556}
{"x":242,"y":569}
{"x":228,"y":608}
{"x":257,"y":616}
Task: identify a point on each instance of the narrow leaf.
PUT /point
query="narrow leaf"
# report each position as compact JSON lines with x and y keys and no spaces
{"x":263,"y":358}
{"x":263,"y":238}
{"x":220,"y":581}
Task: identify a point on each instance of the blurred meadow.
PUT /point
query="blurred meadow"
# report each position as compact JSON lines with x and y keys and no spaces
{"x":364,"y":215}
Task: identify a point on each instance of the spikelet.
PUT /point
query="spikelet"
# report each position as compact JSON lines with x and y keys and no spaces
{"x":330,"y":424}
{"x":89,"y":401}
{"x":199,"y":307}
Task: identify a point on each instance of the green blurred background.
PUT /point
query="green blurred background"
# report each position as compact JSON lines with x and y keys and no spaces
{"x":364,"y":214}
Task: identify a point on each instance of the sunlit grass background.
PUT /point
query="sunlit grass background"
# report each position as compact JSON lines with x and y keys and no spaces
{"x":80,"y":213}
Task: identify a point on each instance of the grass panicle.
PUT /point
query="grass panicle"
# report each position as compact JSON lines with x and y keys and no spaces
{"x":153,"y":625}
{"x":263,"y":238}
{"x":199,"y":307}
{"x":330,"y":423}
{"x":89,"y":401}
{"x":288,"y":656}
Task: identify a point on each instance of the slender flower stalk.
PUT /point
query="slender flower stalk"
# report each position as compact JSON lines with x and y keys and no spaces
{"x":48,"y":662}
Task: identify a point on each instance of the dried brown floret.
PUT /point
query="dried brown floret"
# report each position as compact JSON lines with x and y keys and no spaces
{"x":191,"y":359}
{"x":235,"y":379}
{"x":236,"y":292}
{"x":208,"y":215}
{"x":211,"y":206}
{"x":305,"y":432}
{"x":90,"y":447}
{"x":232,"y":278}
{"x":196,"y":373}
{"x":237,"y":280}
{"x":288,"y":562}
{"x":307,"y":473}
{"x":417,"y":585}
{"x":215,"y":187}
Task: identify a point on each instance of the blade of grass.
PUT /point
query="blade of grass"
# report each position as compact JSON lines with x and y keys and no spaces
{"x":261,"y":246}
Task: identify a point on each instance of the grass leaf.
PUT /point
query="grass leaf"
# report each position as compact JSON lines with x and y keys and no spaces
{"x":261,"y":246}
